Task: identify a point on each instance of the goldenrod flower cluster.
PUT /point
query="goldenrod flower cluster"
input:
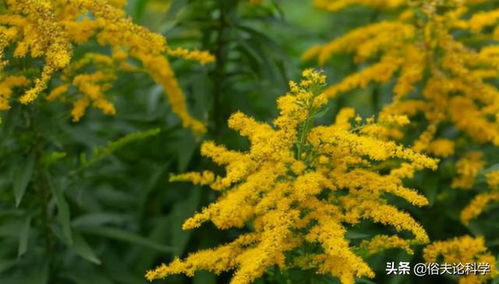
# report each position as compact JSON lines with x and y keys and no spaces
{"x":423,"y":51}
{"x":479,"y":202}
{"x":332,"y":5}
{"x":442,"y":57}
{"x":468,"y":168}
{"x":463,"y":250}
{"x":49,"y":31}
{"x":299,"y":188}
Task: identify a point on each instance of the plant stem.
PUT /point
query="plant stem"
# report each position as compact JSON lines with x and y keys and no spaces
{"x":307,"y":124}
{"x":305,"y":129}
{"x":221,"y":53}
{"x":40,"y":185}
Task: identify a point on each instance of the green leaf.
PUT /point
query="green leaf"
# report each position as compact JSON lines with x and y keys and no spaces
{"x":10,"y":228}
{"x":182,"y":211}
{"x":33,"y":274}
{"x":63,"y":214}
{"x":126,"y":236}
{"x":356,"y":235}
{"x":482,"y":176}
{"x":83,"y":249}
{"x":140,"y":7}
{"x":98,"y":219}
{"x":186,"y":146}
{"x":101,"y":152}
{"x":22,"y":176}
{"x":6,"y":264}
{"x":321,"y":112}
{"x":11,"y":212}
{"x":52,"y":158}
{"x":24,"y":237}
{"x":494,"y":167}
{"x":156,"y":177}
{"x":365,"y":281}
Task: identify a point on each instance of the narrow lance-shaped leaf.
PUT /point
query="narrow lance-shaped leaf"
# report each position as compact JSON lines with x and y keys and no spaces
{"x":118,"y":234}
{"x":63,"y":214}
{"x":83,"y":249}
{"x":22,"y":176}
{"x":99,"y":153}
{"x":24,"y":237}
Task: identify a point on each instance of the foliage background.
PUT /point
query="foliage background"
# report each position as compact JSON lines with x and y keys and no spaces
{"x":110,"y":213}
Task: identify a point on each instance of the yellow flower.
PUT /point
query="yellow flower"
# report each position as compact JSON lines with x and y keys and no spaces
{"x":468,"y":168}
{"x":478,"y":204}
{"x":422,"y":52}
{"x":463,"y":250}
{"x":301,"y":185}
{"x":335,"y":5}
{"x":204,"y":178}
{"x":441,"y":147}
{"x":202,"y":56}
{"x":49,"y":30}
{"x":484,"y":19}
{"x":382,"y":242}
{"x":7,"y":85}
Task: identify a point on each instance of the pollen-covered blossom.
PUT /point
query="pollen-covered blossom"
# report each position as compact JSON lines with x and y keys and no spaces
{"x":463,"y":250}
{"x":49,"y":31}
{"x":434,"y":71}
{"x":335,"y":5}
{"x":468,"y":168}
{"x":301,"y":187}
{"x":479,"y":203}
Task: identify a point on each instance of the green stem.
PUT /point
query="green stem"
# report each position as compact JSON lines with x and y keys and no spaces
{"x":307,"y":124}
{"x":40,"y":185}
{"x":305,"y":129}
{"x":219,"y":72}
